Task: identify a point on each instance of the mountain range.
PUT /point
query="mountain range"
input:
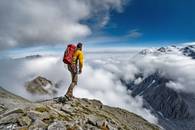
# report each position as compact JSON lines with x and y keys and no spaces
{"x":184,"y":50}
{"x":174,"y":109}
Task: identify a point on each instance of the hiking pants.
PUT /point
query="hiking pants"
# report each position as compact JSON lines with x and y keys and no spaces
{"x":74,"y":76}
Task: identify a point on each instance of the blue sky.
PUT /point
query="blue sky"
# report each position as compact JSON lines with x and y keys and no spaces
{"x":158,"y":21}
{"x":98,"y":23}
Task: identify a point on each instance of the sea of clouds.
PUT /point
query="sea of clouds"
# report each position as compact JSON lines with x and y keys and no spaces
{"x":101,"y":77}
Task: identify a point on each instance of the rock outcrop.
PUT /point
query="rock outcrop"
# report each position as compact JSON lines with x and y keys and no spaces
{"x":41,"y":86}
{"x":75,"y":114}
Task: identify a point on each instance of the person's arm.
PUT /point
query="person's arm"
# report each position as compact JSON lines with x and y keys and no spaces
{"x":74,"y":59}
{"x":81,"y":58}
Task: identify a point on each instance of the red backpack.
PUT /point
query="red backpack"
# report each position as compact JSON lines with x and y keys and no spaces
{"x":68,"y":54}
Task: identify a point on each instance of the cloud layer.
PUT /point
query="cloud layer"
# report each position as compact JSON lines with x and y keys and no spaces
{"x":101,"y":76}
{"x":135,"y":33}
{"x":32,"y":22}
{"x":179,"y":69}
{"x":100,"y":79}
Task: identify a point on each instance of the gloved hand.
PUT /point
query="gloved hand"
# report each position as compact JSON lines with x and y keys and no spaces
{"x":80,"y":71}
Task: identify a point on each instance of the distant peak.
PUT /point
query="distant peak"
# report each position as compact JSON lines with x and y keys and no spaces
{"x":41,"y":86}
{"x":188,"y":50}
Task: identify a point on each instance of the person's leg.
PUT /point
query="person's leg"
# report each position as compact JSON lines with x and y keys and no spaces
{"x":69,"y":88}
{"x":72,"y":85}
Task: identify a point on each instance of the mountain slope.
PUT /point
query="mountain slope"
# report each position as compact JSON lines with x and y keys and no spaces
{"x":173,"y":108}
{"x":76,"y":114}
{"x":10,"y":101}
{"x":161,"y":98}
{"x":10,"y":96}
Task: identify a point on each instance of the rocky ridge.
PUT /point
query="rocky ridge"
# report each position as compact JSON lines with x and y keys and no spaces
{"x":75,"y":114}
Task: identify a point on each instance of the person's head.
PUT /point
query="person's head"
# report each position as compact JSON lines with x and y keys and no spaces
{"x":79,"y":46}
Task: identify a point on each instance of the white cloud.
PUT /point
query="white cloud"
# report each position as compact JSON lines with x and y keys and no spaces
{"x":97,"y":80}
{"x":106,"y":86}
{"x":175,"y":85}
{"x":138,"y":80}
{"x":188,"y":43}
{"x":135,"y":33}
{"x":178,"y":68}
{"x":101,"y":76}
{"x":34,"y":22}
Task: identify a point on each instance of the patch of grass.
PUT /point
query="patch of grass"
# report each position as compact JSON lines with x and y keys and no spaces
{"x":42,"y":109}
{"x":77,"y":104}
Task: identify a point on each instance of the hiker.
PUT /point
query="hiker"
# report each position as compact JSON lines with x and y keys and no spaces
{"x":78,"y":57}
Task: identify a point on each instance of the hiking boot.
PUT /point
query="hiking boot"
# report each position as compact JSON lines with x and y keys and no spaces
{"x":69,"y":98}
{"x":62,"y":100}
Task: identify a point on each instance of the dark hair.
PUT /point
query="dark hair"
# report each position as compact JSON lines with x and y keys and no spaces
{"x":79,"y":45}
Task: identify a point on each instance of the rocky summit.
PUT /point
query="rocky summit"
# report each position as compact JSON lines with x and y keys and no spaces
{"x":41,"y":86}
{"x":75,"y":114}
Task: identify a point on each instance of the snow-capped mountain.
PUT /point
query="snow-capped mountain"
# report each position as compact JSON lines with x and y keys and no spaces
{"x":186,"y":50}
{"x":189,"y":51}
{"x":160,"y":51}
{"x":175,"y":109}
